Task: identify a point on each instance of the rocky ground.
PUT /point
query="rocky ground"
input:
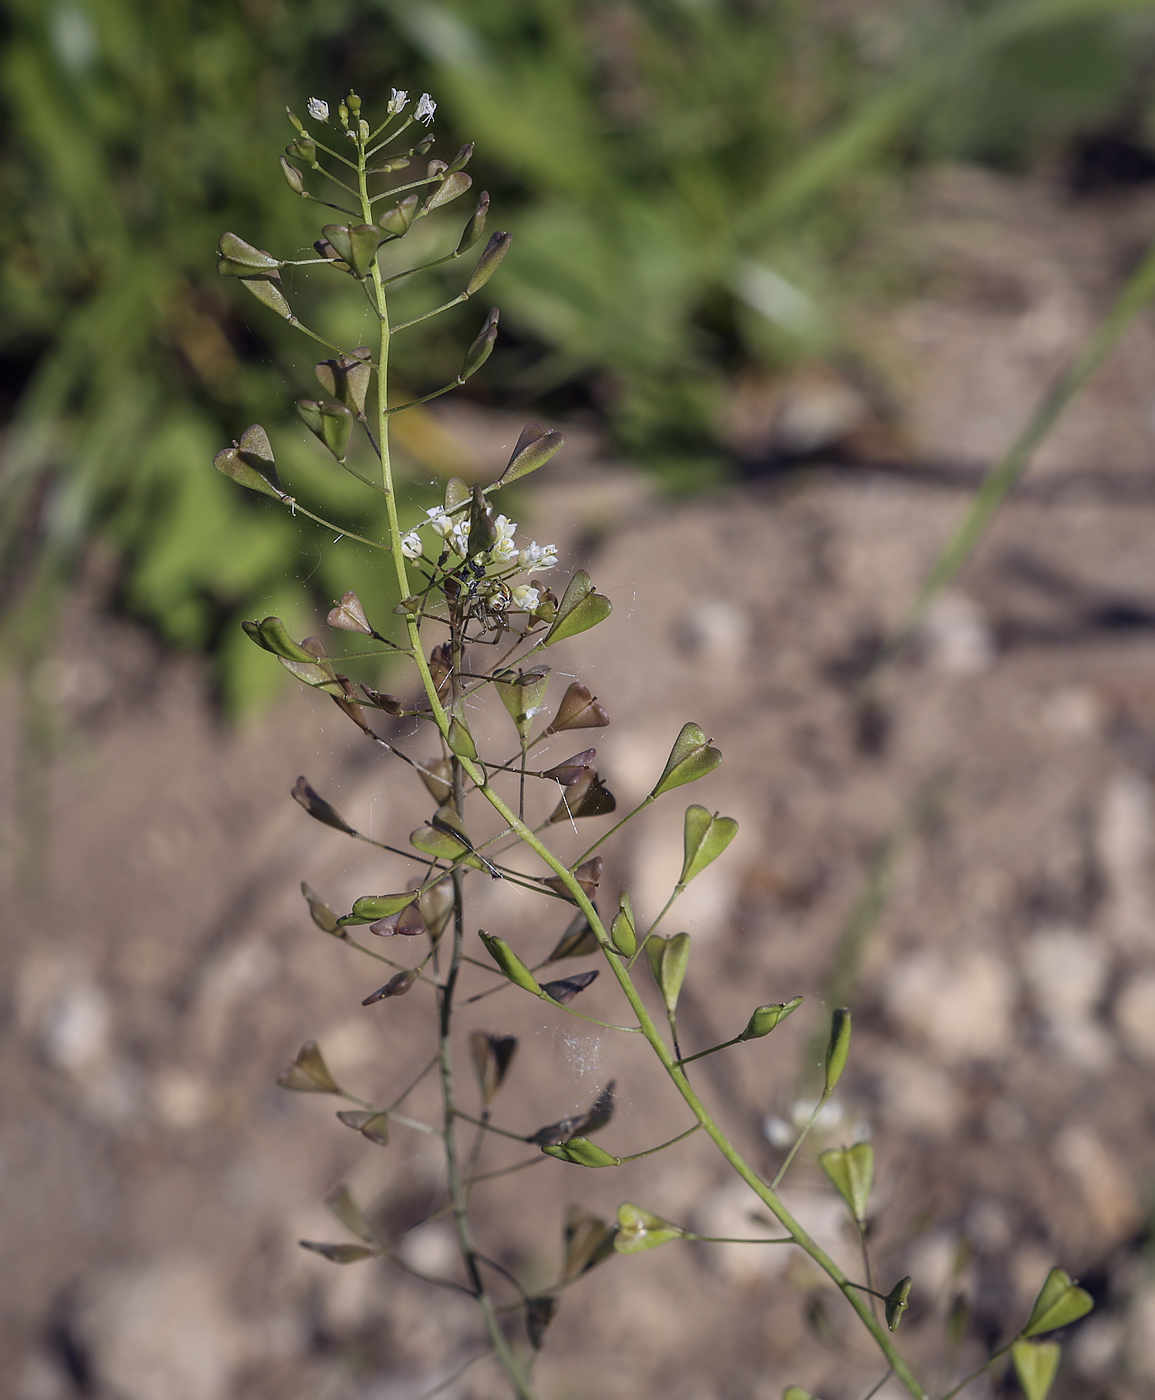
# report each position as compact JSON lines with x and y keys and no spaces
{"x":967,"y":861}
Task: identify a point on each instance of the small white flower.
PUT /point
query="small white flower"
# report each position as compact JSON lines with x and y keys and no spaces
{"x":459,"y":538}
{"x":425,"y":108}
{"x":397,"y":101}
{"x":525,"y":597}
{"x":411,"y":546}
{"x":503,"y":548}
{"x":317,"y":109}
{"x":538,"y":556}
{"x":441,"y":521}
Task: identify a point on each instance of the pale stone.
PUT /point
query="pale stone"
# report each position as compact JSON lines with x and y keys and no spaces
{"x":957,"y":636}
{"x":1108,"y":1192}
{"x":1135,"y":1016}
{"x":1140,"y":1335}
{"x":963,"y":1009}
{"x":1066,"y":973}
{"x":920,"y":1097}
{"x":1125,"y":842}
{"x":161,"y":1330}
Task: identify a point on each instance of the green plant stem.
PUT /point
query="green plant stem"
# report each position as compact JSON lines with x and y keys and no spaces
{"x":761,"y":1189}
{"x":456,"y":1376}
{"x":974,"y":1375}
{"x":1005,"y":475}
{"x":458,"y":1192}
{"x":802,"y":1136}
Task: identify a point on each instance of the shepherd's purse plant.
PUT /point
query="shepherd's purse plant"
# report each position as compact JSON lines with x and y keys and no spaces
{"x":477,"y":618}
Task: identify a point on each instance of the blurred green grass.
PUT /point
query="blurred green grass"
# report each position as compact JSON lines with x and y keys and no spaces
{"x":689,"y":183}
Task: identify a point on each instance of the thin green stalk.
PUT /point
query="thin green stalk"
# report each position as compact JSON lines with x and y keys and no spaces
{"x":760,"y":1188}
{"x":1005,"y":475}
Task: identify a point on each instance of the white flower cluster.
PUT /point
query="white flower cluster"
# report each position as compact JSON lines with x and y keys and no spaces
{"x":504,"y":551}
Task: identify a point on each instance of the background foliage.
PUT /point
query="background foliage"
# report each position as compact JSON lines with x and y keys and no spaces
{"x":690,"y":184}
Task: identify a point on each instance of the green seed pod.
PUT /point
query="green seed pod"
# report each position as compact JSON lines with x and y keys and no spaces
{"x":533,"y":449}
{"x":1060,"y":1301}
{"x":303,"y":148}
{"x":638,"y":1230}
{"x":706,"y":837}
{"x":350,"y":1214}
{"x":1035,"y":1366}
{"x":851,"y":1172}
{"x":763,"y":1020}
{"x":309,"y":1074}
{"x":521,"y":692}
{"x":461,"y":740}
{"x":396,"y":222}
{"x":266,"y":287}
{"x":237,"y":252}
{"x":331,"y":422}
{"x":623,"y":930}
{"x":475,"y":227}
{"x":347,"y":378}
{"x":691,"y":758}
{"x":587,"y":1242}
{"x":340,"y":1253}
{"x":324,"y":917}
{"x":250,"y":463}
{"x":452,"y":187}
{"x":371,"y":907}
{"x":582,"y":1152}
{"x":293,"y":177}
{"x":368,"y":1122}
{"x":481,"y":349}
{"x":896,"y":1303}
{"x":579,"y":610}
{"x":461,"y":159}
{"x":838,"y":1048}
{"x":273,"y":635}
{"x":490,"y":260}
{"x":510,"y":964}
{"x":356,"y":244}
{"x":668,"y":958}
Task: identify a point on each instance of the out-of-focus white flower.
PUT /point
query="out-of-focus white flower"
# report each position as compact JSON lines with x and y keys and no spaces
{"x":459,"y":538}
{"x":411,"y":546}
{"x":441,"y":521}
{"x":317,"y":109}
{"x":503,"y":548}
{"x":525,"y":597}
{"x":538,"y":556}
{"x":397,"y":101}
{"x":425,"y":108}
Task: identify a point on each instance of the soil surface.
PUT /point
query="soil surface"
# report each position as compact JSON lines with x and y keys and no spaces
{"x":967,"y":860}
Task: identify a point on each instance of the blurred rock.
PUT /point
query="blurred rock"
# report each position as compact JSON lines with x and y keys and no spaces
{"x":957,"y":637}
{"x":1108,"y":1193}
{"x":919,"y":1097}
{"x":163,"y":1329}
{"x":1095,"y":1347}
{"x":1066,"y":973}
{"x":1135,"y":1016}
{"x":962,"y":1008}
{"x":1139,"y":1338}
{"x":1125,"y":841}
